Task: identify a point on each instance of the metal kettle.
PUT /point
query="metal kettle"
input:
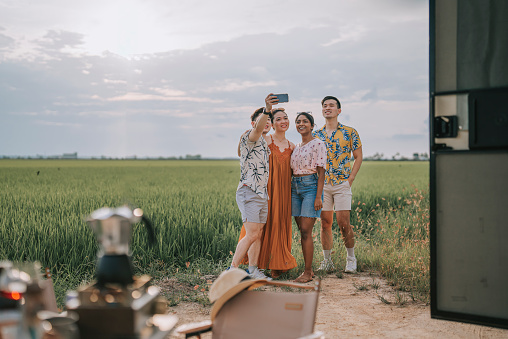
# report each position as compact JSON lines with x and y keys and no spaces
{"x":113,"y":230}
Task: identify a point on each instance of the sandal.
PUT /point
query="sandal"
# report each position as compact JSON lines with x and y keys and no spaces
{"x":304,"y":278}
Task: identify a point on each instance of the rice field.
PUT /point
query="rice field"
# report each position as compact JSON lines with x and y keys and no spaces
{"x":43,"y":205}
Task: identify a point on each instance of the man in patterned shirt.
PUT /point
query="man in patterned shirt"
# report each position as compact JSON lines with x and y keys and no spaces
{"x":252,"y":195}
{"x":340,"y":141}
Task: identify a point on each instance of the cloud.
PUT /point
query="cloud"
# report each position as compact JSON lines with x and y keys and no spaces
{"x":102,"y":114}
{"x":347,"y":33}
{"x":6,"y":41}
{"x":409,"y":137}
{"x":374,"y":59}
{"x":168,"y":91}
{"x":110,"y":81}
{"x":221,"y":126}
{"x":230,"y":85}
{"x":60,"y":39}
{"x":56,"y":123}
{"x":133,"y":96}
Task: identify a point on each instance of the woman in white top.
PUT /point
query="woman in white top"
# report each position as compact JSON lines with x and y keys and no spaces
{"x":308,"y":162}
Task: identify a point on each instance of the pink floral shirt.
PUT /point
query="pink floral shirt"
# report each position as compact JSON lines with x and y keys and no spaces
{"x":305,"y":159}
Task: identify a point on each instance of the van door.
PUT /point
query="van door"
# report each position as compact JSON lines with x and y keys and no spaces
{"x":469,"y":160}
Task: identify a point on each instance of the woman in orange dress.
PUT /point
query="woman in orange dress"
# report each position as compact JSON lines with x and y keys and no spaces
{"x":275,"y":253}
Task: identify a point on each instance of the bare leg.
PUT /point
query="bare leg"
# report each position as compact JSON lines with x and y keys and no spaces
{"x":305,"y":225}
{"x":326,"y":229}
{"x":253,"y":233}
{"x":345,"y":228}
{"x":254,"y":250}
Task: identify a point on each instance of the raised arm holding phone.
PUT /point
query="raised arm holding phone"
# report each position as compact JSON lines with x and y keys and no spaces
{"x":252,"y":194}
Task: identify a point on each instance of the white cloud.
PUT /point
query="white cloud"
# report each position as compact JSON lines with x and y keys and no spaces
{"x":204,"y":68}
{"x":37,"y":113}
{"x":229,"y":85}
{"x":215,"y":127}
{"x":347,"y":33}
{"x":136,"y":27}
{"x":134,"y":96}
{"x":56,"y":123}
{"x":168,"y":91}
{"x":102,"y":114}
{"x":116,"y":82}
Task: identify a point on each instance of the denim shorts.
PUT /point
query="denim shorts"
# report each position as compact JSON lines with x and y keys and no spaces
{"x":303,"y":195}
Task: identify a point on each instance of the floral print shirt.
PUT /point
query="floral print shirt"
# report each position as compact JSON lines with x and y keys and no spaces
{"x":339,"y":146}
{"x":306,"y":158}
{"x":254,"y":162}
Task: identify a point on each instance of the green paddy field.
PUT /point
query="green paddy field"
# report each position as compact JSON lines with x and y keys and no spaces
{"x":44,"y":203}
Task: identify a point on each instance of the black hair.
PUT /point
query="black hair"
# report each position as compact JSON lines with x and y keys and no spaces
{"x":257,"y":113}
{"x":277,"y":110}
{"x":307,"y":115}
{"x":328,"y":97}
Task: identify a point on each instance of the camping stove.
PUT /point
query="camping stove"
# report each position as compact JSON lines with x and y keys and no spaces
{"x":115,"y":311}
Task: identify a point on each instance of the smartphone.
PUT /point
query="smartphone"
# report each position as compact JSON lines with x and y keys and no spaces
{"x":282,"y":97}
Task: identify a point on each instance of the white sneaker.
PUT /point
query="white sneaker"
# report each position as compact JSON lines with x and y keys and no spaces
{"x":258,"y":274}
{"x":350,"y":265}
{"x":326,"y":265}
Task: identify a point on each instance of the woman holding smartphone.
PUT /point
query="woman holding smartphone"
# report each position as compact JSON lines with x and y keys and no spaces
{"x":276,"y":241}
{"x":308,"y":162}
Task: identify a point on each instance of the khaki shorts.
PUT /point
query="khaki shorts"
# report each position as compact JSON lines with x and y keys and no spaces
{"x":337,"y":197}
{"x":252,"y":206}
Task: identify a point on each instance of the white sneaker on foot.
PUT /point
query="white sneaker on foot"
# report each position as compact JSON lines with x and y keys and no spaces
{"x":350,"y":265}
{"x":258,"y":274}
{"x":326,"y":265}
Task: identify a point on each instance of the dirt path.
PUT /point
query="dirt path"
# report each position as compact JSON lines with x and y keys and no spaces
{"x":365,"y":306}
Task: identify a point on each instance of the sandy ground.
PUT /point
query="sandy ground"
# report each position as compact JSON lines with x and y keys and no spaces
{"x":365,"y":306}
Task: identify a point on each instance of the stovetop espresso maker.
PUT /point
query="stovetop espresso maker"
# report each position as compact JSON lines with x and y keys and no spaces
{"x":113,"y":230}
{"x":118,"y":304}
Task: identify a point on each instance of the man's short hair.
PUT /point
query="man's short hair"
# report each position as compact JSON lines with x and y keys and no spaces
{"x":328,"y":97}
{"x":257,"y":113}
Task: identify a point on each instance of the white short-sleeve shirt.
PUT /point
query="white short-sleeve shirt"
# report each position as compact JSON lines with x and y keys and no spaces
{"x":254,"y":162}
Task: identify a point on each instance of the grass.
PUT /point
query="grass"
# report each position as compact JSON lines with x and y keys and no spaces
{"x":396,"y":243}
{"x":361,"y":287}
{"x":44,"y":205}
{"x":192,"y":206}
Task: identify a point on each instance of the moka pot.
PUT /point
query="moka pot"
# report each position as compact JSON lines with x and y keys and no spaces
{"x":113,"y":230}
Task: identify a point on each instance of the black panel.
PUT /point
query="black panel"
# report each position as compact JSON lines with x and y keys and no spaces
{"x":446,"y":126}
{"x":488,"y":119}
{"x":482,"y":44}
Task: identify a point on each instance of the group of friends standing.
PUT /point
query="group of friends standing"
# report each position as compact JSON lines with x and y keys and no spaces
{"x":307,"y":181}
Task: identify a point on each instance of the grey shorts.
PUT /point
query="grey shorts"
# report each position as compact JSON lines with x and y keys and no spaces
{"x":252,"y":206}
{"x":337,"y":197}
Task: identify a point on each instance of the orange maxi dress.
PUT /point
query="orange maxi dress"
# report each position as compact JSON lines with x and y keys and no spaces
{"x":276,"y":240}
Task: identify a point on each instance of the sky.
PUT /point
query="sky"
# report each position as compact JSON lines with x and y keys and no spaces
{"x":169,"y":78}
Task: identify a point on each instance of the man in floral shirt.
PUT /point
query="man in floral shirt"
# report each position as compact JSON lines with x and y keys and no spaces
{"x":340,"y":142}
{"x":252,"y":195}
